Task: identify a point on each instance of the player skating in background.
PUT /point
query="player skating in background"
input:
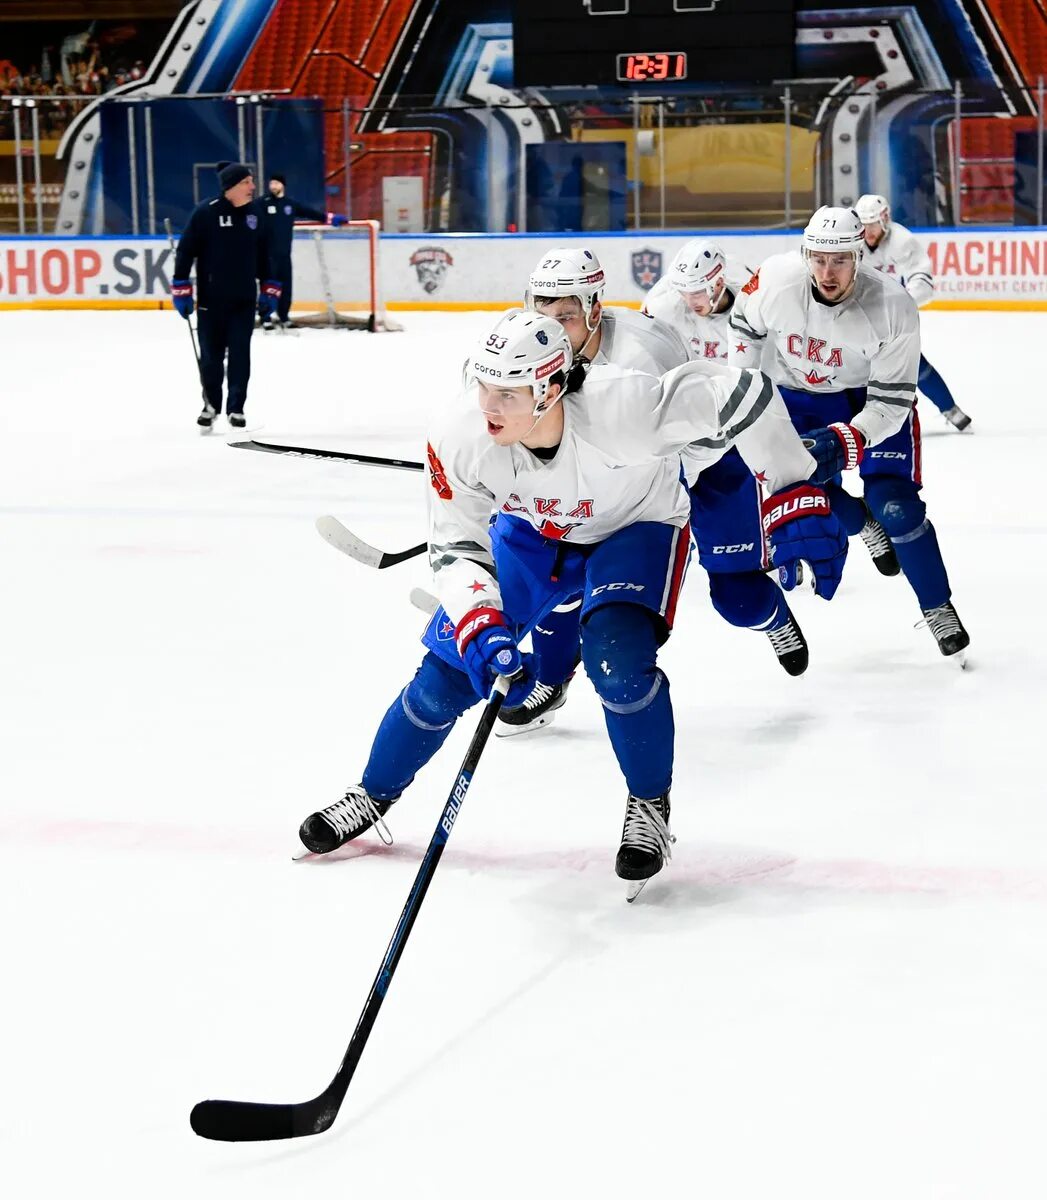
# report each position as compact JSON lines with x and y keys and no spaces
{"x":846,"y":343}
{"x":567,"y":284}
{"x":585,"y":471}
{"x":892,"y":248}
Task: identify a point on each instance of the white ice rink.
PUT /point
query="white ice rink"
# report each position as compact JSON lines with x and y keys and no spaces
{"x":837,"y":990}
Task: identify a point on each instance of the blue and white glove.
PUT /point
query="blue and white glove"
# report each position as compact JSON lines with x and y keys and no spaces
{"x":802,"y":527}
{"x":489,"y":649}
{"x":838,"y":447}
{"x":182,"y":297}
{"x":336,"y":219}
{"x":268,"y":298}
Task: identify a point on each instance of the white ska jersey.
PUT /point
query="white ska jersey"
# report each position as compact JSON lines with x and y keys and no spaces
{"x":631,"y":339}
{"x":617,"y":464}
{"x":900,"y":255}
{"x":704,"y":337}
{"x":870,"y":340}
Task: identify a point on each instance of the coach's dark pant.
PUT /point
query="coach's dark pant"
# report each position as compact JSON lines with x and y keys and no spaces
{"x":226,"y":331}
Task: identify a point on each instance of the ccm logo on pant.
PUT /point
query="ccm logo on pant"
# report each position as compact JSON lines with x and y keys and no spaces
{"x":740,"y":548}
{"x":618,"y":587}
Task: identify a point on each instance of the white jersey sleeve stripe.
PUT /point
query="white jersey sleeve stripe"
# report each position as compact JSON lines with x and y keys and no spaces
{"x":754,"y":413}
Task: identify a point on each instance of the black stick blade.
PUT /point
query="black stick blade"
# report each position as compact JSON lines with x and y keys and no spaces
{"x":237,"y":1121}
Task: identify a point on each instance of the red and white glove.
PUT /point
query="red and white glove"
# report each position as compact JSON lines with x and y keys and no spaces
{"x":838,"y":447}
{"x":802,"y":527}
{"x":489,"y":649}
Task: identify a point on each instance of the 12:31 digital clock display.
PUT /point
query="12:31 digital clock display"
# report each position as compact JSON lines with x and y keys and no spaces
{"x":653,"y":67}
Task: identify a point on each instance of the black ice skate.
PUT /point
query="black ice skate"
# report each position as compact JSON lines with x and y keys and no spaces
{"x":646,"y":842}
{"x":790,"y":645}
{"x":344,"y":820}
{"x":879,"y":545}
{"x":536,"y":711}
{"x":206,"y":419}
{"x":957,"y":417}
{"x":948,"y":631}
{"x":237,"y":420}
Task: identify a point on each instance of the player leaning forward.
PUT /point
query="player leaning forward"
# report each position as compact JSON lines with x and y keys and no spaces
{"x":588,"y":471}
{"x":846,"y":345}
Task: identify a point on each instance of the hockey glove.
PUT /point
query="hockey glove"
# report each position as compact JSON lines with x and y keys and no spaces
{"x":337,"y":219}
{"x":182,"y":297}
{"x":836,"y":448}
{"x":802,"y":527}
{"x":489,"y":649}
{"x":268,"y":298}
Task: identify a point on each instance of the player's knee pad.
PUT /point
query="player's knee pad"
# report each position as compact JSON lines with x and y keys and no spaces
{"x":747,"y":599}
{"x":437,"y":695}
{"x":620,"y":652}
{"x":896,"y":504}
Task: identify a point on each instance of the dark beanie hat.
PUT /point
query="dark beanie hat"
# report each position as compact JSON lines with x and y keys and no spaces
{"x":230,"y":174}
{"x":275,"y":176}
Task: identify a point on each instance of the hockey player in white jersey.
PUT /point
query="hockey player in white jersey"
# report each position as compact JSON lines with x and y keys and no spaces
{"x":892,"y":248}
{"x":695,"y":297}
{"x":567,"y":284}
{"x":846,"y":345}
{"x":583,"y":476}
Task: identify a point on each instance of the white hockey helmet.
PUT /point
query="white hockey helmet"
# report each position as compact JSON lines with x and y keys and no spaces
{"x":872,"y":208}
{"x":524,"y":349}
{"x":567,"y":271}
{"x":834,"y":231}
{"x":698,"y":266}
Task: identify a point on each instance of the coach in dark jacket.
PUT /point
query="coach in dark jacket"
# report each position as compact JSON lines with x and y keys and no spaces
{"x":230,"y":244}
{"x":280,"y":212}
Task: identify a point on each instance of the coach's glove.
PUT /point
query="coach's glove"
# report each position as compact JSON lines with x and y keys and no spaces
{"x":182,"y":297}
{"x":268,"y":298}
{"x":337,"y":219}
{"x":489,"y":649}
{"x":836,"y":448}
{"x":801,"y":526}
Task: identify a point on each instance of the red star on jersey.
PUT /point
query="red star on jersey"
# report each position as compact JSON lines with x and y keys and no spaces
{"x":761,"y":477}
{"x":814,"y":378}
{"x":741,"y":348}
{"x":477,"y":586}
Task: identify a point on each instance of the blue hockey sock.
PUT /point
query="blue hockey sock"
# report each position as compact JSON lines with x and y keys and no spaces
{"x":896,"y":504}
{"x":619,"y":650}
{"x":554,"y":641}
{"x":748,"y":599}
{"x":850,"y":511}
{"x":934,"y":387}
{"x":415,"y":726}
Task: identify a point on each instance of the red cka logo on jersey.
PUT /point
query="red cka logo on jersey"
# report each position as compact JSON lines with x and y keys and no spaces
{"x":437,"y":475}
{"x":547,"y":508}
{"x":814,"y":350}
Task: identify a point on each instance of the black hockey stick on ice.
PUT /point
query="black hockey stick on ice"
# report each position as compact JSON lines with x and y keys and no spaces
{"x":240,"y":1121}
{"x":367,"y":460}
{"x":189,"y":324}
{"x":333,"y":531}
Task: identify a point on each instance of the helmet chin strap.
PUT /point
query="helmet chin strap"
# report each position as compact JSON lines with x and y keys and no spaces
{"x":592,"y":333}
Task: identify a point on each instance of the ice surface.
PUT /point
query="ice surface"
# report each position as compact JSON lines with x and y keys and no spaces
{"x":836,"y":990}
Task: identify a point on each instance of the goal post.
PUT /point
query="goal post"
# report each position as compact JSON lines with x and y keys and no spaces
{"x":338,"y":278}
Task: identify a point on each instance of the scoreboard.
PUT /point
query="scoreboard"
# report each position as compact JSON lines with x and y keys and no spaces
{"x":639,"y":44}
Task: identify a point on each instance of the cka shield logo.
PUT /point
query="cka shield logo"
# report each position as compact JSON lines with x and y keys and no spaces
{"x":252,"y":221}
{"x":647,"y":268}
{"x":431,"y":264}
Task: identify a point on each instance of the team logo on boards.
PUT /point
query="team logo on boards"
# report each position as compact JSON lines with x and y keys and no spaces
{"x":647,"y":268}
{"x":431,"y":264}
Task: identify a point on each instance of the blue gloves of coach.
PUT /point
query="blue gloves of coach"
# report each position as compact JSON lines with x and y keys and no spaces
{"x":836,"y":448}
{"x":489,"y":649}
{"x":801,"y":526}
{"x":182,"y":297}
{"x":337,"y":219}
{"x":268,"y":298}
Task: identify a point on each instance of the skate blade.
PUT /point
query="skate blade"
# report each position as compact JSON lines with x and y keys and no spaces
{"x":633,"y":888}
{"x":502,"y":730}
{"x":959,"y":659}
{"x":302,"y":855}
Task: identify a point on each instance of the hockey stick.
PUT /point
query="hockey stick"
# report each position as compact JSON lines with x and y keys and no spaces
{"x":367,"y":460}
{"x":239,"y":1121}
{"x":192,"y":333}
{"x":333,"y":531}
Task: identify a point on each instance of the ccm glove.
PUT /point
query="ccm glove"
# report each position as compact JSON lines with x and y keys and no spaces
{"x":801,"y":527}
{"x":489,"y":649}
{"x":838,"y":447}
{"x":268,"y":298}
{"x":182,"y":297}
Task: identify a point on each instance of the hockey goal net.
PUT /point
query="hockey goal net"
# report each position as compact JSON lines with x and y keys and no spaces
{"x":338,"y":278}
